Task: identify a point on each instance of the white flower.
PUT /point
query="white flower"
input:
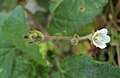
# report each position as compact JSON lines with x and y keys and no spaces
{"x":100,"y":38}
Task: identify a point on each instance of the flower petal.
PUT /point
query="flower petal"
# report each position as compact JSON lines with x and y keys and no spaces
{"x":101,"y":45}
{"x":94,"y":35}
{"x":95,"y":43}
{"x":106,"y":39}
{"x":104,"y":31}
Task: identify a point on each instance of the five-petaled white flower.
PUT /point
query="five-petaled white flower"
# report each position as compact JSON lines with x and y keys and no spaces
{"x":100,"y":38}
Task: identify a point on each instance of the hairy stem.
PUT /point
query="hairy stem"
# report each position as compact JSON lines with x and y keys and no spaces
{"x":66,"y":37}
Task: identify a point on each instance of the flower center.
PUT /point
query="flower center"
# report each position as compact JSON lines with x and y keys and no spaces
{"x":98,"y":38}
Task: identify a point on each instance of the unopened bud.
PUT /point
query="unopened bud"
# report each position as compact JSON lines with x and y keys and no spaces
{"x":74,"y":41}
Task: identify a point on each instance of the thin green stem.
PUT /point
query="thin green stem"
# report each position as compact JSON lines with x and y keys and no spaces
{"x":60,"y":37}
{"x":67,"y":37}
{"x":52,"y":38}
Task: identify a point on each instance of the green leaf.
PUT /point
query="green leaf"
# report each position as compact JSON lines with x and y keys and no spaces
{"x":54,"y":4}
{"x":15,"y":63}
{"x":4,"y":41}
{"x":15,"y":28}
{"x":87,"y":29}
{"x":68,"y":16}
{"x":25,"y":68}
{"x":85,"y":67}
{"x":5,"y":53}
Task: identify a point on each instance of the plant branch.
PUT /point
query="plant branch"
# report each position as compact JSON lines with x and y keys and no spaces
{"x":65,"y":37}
